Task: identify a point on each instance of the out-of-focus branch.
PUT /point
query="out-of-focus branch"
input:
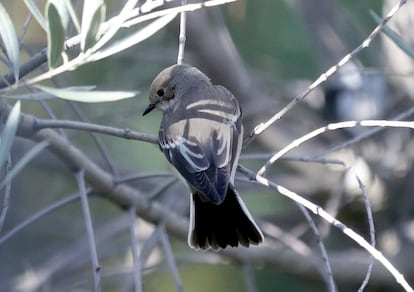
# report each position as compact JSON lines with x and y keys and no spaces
{"x":126,"y":196}
{"x":39,"y":124}
{"x":35,"y":62}
{"x":325,"y":76}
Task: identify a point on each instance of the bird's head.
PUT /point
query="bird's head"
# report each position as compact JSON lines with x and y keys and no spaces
{"x":164,"y":88}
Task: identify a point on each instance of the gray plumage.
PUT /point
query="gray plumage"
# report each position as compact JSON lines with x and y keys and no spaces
{"x":201,"y":136}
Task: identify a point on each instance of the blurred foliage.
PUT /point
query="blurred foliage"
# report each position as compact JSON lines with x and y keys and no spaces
{"x":273,"y":39}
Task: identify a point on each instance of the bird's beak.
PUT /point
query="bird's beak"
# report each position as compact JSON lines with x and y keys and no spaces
{"x":149,"y":108}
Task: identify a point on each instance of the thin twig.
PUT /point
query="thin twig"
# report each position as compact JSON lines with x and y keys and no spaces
{"x":89,"y":229}
{"x":325,"y":76}
{"x":332,"y":127}
{"x":249,"y":276}
{"x":286,"y":238}
{"x":182,"y":35}
{"x":51,"y":114}
{"x":265,"y":156}
{"x":135,"y":250}
{"x":364,"y":135}
{"x":89,"y":127}
{"x":98,"y":142}
{"x":329,"y":275}
{"x":62,"y":261}
{"x":29,"y":66}
{"x":25,"y":27}
{"x":169,"y":256}
{"x":7,"y":191}
{"x":150,"y":244}
{"x":136,"y":18}
{"x":162,"y":186}
{"x":124,"y":195}
{"x":43,"y":104}
{"x":371,"y":230}
{"x":32,"y":219}
{"x":140,"y":176}
{"x":319,"y":131}
{"x":333,"y":221}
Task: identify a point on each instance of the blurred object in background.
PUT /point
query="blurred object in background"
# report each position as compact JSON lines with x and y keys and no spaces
{"x":398,"y":62}
{"x":352,"y":95}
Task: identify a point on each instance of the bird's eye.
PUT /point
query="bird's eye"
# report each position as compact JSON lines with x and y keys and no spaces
{"x":160,"y":92}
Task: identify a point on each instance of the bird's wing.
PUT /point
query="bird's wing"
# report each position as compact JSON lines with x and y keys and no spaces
{"x":231,"y":139}
{"x":191,"y":158}
{"x":205,"y":145}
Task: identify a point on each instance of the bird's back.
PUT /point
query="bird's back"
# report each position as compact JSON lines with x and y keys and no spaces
{"x":201,"y":137}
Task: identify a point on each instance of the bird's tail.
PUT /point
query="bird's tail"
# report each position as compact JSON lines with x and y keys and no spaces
{"x":218,"y":226}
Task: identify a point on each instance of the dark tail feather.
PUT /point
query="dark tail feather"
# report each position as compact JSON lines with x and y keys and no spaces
{"x":218,"y":226}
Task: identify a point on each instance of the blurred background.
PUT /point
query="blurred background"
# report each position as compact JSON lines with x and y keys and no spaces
{"x":267,"y":53}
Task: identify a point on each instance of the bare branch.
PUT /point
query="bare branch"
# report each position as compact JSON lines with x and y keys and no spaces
{"x":325,"y":76}
{"x":329,"y":275}
{"x":182,"y":35}
{"x":7,"y":191}
{"x":52,"y":207}
{"x":364,"y":135}
{"x":169,"y":255}
{"x":332,"y":127}
{"x":89,"y":229}
{"x":124,"y":195}
{"x":135,"y":250}
{"x":249,"y":276}
{"x":126,"y":133}
{"x":333,"y":221}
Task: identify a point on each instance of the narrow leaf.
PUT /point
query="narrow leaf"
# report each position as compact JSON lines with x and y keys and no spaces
{"x":57,"y":20}
{"x":116,"y":24}
{"x":33,"y":152}
{"x":395,"y":37}
{"x":31,"y":96}
{"x":9,"y":132}
{"x":133,"y":39}
{"x":92,"y":16}
{"x":36,"y":13}
{"x":43,"y":95}
{"x":87,"y":96}
{"x":10,"y":41}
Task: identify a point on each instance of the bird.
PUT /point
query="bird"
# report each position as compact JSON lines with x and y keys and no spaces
{"x":201,"y":135}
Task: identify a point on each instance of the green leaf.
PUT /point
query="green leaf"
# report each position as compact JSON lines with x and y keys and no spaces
{"x":33,"y":152}
{"x":133,"y":39}
{"x":9,"y":132}
{"x":31,"y":96}
{"x":57,"y":21}
{"x":10,"y":41}
{"x":403,"y":45}
{"x":116,"y":24}
{"x":36,"y":13}
{"x":43,"y":95}
{"x":92,"y":16}
{"x":87,"y":96}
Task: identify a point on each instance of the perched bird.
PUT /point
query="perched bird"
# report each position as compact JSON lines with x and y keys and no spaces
{"x":201,"y":136}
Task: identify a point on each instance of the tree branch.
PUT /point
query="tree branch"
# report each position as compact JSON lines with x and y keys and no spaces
{"x":125,"y":196}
